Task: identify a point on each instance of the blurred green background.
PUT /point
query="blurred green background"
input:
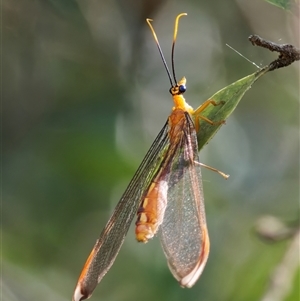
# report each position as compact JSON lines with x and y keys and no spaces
{"x":84,"y":95}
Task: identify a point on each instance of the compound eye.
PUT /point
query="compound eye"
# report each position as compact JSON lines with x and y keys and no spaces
{"x":182,"y":88}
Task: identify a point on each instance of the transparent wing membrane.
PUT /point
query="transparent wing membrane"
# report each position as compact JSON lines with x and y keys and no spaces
{"x":112,"y":236}
{"x":183,"y":233}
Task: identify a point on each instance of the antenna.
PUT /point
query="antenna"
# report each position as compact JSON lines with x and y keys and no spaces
{"x":173,"y":47}
{"x":173,"y":44}
{"x":160,"y":51}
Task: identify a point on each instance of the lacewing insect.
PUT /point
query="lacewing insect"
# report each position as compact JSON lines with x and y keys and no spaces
{"x":166,"y":194}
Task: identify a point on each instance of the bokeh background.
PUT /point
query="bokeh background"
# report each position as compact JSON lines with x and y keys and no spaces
{"x":84,"y":94}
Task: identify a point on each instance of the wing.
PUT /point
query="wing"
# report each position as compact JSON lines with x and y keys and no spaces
{"x":183,"y":232}
{"x":111,"y":239}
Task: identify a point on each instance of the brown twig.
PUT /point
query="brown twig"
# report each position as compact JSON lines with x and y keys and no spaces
{"x":287,"y":53}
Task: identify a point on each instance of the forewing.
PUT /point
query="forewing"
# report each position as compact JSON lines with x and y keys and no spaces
{"x":111,"y":239}
{"x":183,"y":233}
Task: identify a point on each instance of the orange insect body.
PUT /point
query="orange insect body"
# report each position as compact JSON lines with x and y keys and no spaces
{"x":152,"y":209}
{"x":167,"y":196}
